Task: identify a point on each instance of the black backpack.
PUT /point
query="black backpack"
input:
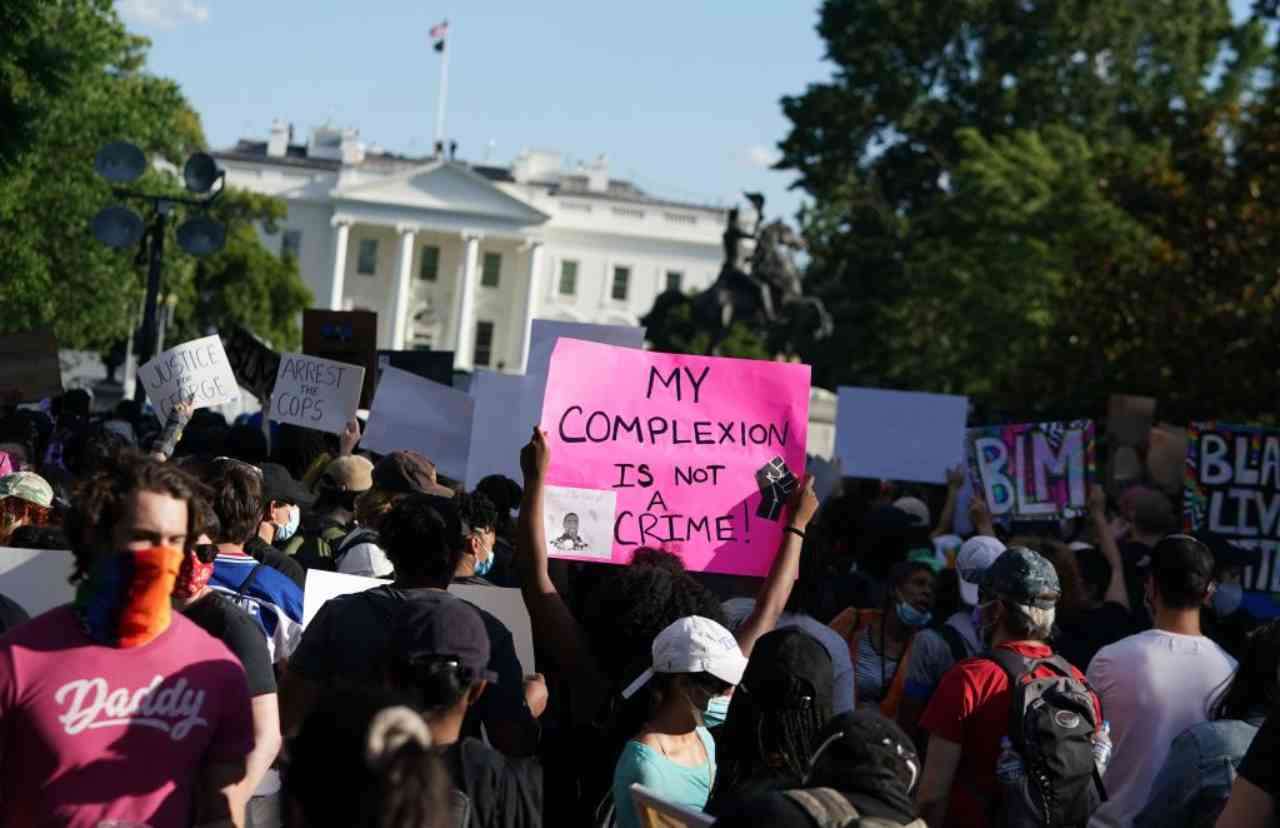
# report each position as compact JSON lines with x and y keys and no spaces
{"x":1051,"y":725}
{"x":829,"y":808}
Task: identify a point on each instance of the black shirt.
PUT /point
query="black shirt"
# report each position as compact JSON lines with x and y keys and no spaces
{"x":267,"y":555}
{"x":504,"y":792}
{"x":1080,"y":634}
{"x":346,"y":644}
{"x":1261,"y":764}
{"x":234,"y":627}
{"x":11,"y":615}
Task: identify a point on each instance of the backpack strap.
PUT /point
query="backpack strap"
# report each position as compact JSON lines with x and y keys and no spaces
{"x":825,"y":806}
{"x":244,"y":585}
{"x":955,"y":642}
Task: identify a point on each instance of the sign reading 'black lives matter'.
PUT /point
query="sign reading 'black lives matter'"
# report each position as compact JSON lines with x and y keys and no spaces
{"x":1232,"y":487}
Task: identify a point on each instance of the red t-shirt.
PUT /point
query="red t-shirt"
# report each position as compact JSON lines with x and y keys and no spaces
{"x":89,"y":732}
{"x":971,"y":708}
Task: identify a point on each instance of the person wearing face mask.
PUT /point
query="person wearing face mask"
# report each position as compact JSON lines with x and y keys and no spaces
{"x":694,"y":661}
{"x":232,"y":626}
{"x":1229,"y":618}
{"x":969,"y":713}
{"x":115,"y":707}
{"x":283,"y":501}
{"x":478,"y":512}
{"x":880,"y":640}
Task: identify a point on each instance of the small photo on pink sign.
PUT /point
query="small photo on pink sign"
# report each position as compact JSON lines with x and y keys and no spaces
{"x":693,"y":455}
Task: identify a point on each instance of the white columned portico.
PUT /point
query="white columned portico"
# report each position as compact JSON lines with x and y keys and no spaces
{"x":398,"y":310}
{"x":341,"y":230}
{"x":530,"y":301}
{"x":464,"y":303}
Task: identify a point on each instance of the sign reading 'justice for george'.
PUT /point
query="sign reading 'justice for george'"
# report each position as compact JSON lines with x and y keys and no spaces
{"x":692,"y":454}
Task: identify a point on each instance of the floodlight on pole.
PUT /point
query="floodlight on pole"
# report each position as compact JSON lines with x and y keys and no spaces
{"x":119,"y":227}
{"x":120,"y":162}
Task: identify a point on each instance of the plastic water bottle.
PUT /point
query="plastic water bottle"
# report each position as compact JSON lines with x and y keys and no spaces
{"x":1009,"y":767}
{"x":1102,"y":747}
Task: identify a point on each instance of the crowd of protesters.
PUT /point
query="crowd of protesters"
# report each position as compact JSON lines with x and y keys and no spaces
{"x":887,"y":671}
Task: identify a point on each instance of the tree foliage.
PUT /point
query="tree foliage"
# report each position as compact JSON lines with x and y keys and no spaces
{"x":53,"y":273}
{"x":1040,"y":202}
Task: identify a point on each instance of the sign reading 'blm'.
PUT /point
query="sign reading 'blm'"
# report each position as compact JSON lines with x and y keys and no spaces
{"x":696,"y":455}
{"x":1232,"y":488}
{"x":1033,"y":471}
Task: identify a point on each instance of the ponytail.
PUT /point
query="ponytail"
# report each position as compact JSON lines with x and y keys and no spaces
{"x":413,"y":789}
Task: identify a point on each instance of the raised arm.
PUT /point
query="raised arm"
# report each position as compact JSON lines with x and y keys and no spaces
{"x":1117,"y":589}
{"x":777,"y":586}
{"x":946,"y":520}
{"x":177,"y":420}
{"x":554,"y":626}
{"x":980,"y":515}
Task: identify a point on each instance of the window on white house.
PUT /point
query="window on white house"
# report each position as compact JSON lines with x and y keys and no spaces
{"x":675,"y":280}
{"x":367,"y":258}
{"x":291,"y":245}
{"x":568,"y":278}
{"x":429,"y":267}
{"x":621,"y":282}
{"x":484,"y":344}
{"x":491,"y":272}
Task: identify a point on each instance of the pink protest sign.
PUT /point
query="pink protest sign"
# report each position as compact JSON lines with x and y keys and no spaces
{"x":695,"y":455}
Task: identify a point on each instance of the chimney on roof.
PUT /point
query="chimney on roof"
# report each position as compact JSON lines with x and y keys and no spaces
{"x":336,"y":144}
{"x":536,"y":165}
{"x":598,"y":174}
{"x":278,"y":143}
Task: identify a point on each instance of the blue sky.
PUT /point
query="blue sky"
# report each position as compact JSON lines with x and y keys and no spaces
{"x":682,"y":96}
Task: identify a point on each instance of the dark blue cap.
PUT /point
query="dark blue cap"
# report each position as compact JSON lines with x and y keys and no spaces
{"x":1023,"y":576}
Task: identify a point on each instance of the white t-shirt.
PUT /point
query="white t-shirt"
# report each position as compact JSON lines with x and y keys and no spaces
{"x":1153,"y":685}
{"x":737,"y":610}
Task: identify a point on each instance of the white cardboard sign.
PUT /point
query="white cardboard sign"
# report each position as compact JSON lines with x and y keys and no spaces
{"x":197,"y":370}
{"x":412,"y":413}
{"x":36,"y":579}
{"x":314,"y":392}
{"x":899,"y":435}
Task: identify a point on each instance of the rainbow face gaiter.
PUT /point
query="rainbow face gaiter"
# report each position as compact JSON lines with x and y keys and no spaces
{"x":125,"y":600}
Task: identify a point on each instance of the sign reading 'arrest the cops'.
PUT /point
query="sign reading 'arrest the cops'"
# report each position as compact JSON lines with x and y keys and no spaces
{"x":314,"y":392}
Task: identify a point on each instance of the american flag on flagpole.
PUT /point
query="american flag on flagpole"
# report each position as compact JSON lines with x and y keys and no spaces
{"x":439,"y":30}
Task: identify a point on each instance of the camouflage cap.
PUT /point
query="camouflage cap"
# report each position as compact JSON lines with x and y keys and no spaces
{"x":28,"y":486}
{"x":1024,"y":577}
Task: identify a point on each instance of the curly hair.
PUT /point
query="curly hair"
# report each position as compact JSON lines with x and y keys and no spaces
{"x":423,"y":536}
{"x":16,"y":513}
{"x":627,"y":609}
{"x":476,"y":510}
{"x":99,"y":502}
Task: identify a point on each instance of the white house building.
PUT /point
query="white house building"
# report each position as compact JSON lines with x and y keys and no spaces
{"x":462,"y":257}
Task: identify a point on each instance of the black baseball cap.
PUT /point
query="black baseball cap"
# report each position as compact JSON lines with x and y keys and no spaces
{"x":278,"y":484}
{"x":1023,"y":576}
{"x":789,"y":669}
{"x":443,"y":625}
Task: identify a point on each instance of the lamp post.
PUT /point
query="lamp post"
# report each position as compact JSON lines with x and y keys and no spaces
{"x":120,"y":227}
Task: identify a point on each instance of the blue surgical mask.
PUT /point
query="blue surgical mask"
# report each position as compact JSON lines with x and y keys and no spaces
{"x":288,"y":529}
{"x":1227,"y":598}
{"x":483,"y":567}
{"x":913,"y":617}
{"x":716,"y":712}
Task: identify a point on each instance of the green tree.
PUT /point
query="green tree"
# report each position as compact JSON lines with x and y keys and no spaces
{"x":978,"y":172}
{"x":54,"y":273}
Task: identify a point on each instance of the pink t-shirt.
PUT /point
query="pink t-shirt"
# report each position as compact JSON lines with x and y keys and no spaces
{"x":89,"y":732}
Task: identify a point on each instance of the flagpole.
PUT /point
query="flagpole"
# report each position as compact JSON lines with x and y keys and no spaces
{"x":444,"y":90}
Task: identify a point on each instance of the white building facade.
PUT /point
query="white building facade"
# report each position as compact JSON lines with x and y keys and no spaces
{"x":463,"y":257}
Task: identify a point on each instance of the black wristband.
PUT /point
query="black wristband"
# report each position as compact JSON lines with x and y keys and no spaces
{"x":799,"y":533}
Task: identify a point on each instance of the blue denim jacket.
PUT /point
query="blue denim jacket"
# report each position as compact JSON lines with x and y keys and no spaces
{"x":1202,"y":762}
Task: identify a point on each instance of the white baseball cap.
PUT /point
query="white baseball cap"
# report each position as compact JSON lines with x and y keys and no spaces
{"x":694,"y":645}
{"x":916,"y":508}
{"x":975,"y":555}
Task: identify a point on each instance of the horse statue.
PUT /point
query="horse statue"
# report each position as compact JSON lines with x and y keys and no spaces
{"x":759,"y":282}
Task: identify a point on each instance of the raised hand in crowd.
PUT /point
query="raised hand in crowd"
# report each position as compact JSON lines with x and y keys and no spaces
{"x":1117,"y":589}
{"x":349,"y":438}
{"x":980,"y":515}
{"x":946,"y":520}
